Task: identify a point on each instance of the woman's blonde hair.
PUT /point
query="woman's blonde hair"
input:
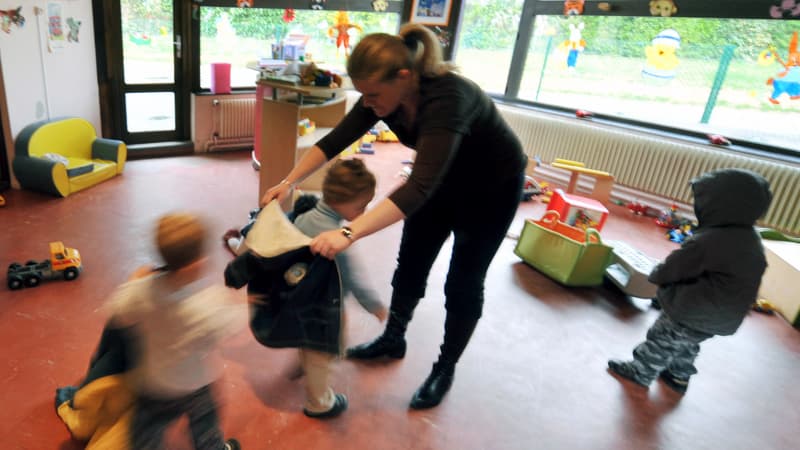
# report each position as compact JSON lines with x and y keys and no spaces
{"x":180,"y":238}
{"x":346,"y":180}
{"x":380,"y":56}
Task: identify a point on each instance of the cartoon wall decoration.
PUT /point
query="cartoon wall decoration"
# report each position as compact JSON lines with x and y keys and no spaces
{"x":10,"y":17}
{"x":661,"y":55}
{"x":573,"y":7}
{"x":574,"y":45}
{"x":74,"y":27}
{"x":55,"y":25}
{"x":786,"y":10}
{"x":341,"y":30}
{"x":663,"y":8}
{"x":788,"y":81}
{"x":379,"y":5}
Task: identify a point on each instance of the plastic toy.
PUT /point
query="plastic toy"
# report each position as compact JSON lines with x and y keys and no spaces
{"x":640,"y":209}
{"x":64,"y":262}
{"x":387,"y":136}
{"x":678,"y":235}
{"x":366,"y":148}
{"x":583,"y":114}
{"x":718,"y":139}
{"x":670,"y":219}
{"x":305,"y":126}
{"x":2,"y":201}
{"x":530,"y":188}
{"x":764,"y":306}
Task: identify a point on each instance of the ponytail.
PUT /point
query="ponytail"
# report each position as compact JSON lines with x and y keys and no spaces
{"x":380,"y":56}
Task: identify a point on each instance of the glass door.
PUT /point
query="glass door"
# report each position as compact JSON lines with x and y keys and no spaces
{"x":151,"y":94}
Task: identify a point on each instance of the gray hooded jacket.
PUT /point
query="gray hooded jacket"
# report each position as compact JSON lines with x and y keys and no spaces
{"x":711,"y":282}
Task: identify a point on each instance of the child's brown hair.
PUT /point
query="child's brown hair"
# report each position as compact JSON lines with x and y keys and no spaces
{"x":346,"y":180}
{"x":180,"y":238}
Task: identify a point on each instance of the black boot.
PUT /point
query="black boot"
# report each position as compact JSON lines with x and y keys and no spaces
{"x":392,"y":343}
{"x":457,"y":332}
{"x":435,"y":386}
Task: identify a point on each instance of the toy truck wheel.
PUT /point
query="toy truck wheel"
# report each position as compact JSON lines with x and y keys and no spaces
{"x":32,"y":281}
{"x":70,"y":274}
{"x":14,"y":283}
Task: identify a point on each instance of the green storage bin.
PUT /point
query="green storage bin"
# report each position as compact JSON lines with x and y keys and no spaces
{"x":569,"y":255}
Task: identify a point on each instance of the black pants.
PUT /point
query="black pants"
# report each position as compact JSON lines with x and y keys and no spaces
{"x":152,"y":416}
{"x":477,"y":215}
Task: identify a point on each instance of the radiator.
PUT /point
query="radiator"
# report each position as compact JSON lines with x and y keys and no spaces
{"x":234,"y":123}
{"x":649,"y":163}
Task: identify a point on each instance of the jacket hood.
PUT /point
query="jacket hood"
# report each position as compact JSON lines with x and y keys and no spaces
{"x":730,"y":197}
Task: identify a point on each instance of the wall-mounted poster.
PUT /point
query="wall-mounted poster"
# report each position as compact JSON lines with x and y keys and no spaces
{"x":431,"y":12}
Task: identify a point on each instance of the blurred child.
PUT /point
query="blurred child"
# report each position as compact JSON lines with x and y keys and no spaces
{"x":176,"y":319}
{"x":347,"y":189}
{"x":706,"y":287}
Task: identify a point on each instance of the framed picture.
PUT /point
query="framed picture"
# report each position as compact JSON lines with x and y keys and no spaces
{"x":431,"y":12}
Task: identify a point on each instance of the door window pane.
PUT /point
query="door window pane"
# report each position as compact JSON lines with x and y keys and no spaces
{"x":147,"y":41}
{"x":150,"y":111}
{"x":706,"y":75}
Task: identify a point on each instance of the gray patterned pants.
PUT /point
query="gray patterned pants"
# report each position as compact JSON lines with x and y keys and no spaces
{"x":669,"y":346}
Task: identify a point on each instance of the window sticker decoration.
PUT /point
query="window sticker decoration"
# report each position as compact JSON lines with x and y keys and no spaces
{"x":10,"y":17}
{"x":663,"y":8}
{"x":341,"y":30}
{"x":74,"y":28}
{"x":661,"y":55}
{"x":788,"y":81}
{"x":573,"y":7}
{"x":379,"y":5}
{"x":318,"y":5}
{"x":55,"y":25}
{"x":574,"y":45}
{"x":244,"y":3}
{"x":786,"y":10}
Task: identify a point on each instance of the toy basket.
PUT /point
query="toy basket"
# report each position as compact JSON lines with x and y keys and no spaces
{"x":567,"y":254}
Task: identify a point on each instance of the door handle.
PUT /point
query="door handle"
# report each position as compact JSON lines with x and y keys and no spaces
{"x":177,"y":46}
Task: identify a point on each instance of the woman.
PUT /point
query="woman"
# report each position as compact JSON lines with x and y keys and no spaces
{"x":467,"y":179}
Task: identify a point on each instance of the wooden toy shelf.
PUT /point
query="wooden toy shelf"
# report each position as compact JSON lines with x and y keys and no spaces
{"x":281,"y":146}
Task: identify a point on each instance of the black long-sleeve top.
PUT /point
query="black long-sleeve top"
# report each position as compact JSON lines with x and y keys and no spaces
{"x":458,"y":134}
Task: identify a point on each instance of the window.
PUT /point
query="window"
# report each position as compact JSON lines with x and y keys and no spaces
{"x":241,"y":36}
{"x":695,"y":73}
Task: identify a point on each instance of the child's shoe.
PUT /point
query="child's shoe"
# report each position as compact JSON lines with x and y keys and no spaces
{"x":232,"y":444}
{"x":626,"y":371}
{"x":678,"y":385}
{"x":65,"y":394}
{"x":338,"y":407}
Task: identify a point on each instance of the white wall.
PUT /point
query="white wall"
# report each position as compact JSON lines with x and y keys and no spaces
{"x":44,"y":80}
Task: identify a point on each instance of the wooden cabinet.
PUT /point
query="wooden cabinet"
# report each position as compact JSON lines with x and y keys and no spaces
{"x":281,"y":146}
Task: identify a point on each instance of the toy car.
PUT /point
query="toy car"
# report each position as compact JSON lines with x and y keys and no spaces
{"x":64,"y":262}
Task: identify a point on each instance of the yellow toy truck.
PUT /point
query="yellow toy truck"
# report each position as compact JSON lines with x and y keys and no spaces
{"x":64,"y":262}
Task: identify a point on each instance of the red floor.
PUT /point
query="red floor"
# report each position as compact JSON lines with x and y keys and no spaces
{"x":533,"y":377}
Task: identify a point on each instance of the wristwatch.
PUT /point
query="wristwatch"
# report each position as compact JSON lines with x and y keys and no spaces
{"x":347,"y":232}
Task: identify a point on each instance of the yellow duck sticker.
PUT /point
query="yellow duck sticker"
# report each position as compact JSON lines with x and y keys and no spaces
{"x":661,"y":55}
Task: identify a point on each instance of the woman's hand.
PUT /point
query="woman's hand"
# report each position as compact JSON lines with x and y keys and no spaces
{"x":330,"y":243}
{"x":279,"y":191}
